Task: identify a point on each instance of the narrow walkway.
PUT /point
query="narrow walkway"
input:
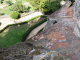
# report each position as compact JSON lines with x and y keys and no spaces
{"x":35,"y":31}
{"x":29,"y":16}
{"x":4,"y":22}
{"x":7,"y":20}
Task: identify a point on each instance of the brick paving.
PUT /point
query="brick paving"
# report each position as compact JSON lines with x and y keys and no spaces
{"x":60,"y":37}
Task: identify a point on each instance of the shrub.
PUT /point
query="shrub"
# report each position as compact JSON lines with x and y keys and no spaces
{"x":51,"y":6}
{"x":18,"y":7}
{"x":28,"y":8}
{"x":14,"y":15}
{"x":9,"y":2}
{"x":34,"y":3}
{"x":2,"y":14}
{"x":45,"y":5}
{"x":10,"y":9}
{"x":1,"y":1}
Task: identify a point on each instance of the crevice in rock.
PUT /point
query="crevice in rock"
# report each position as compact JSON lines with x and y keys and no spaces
{"x":55,"y":22}
{"x":72,"y":2}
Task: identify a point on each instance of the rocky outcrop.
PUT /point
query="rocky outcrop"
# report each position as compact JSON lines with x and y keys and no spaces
{"x":52,"y":19}
{"x":52,"y":55}
{"x":26,"y":51}
{"x":77,"y":12}
{"x":62,"y":37}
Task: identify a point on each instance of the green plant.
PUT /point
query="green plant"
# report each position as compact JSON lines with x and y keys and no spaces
{"x":10,"y":9}
{"x":28,"y":8}
{"x":9,"y":2}
{"x":45,"y":5}
{"x":2,"y":14}
{"x":14,"y":15}
{"x":51,"y":6}
{"x":1,"y":1}
{"x":34,"y":3}
{"x":18,"y":7}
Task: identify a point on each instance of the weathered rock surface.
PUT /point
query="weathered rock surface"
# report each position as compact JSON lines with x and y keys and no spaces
{"x":77,"y":12}
{"x":62,"y":37}
{"x":52,"y":55}
{"x":57,"y":16}
{"x":26,"y":51}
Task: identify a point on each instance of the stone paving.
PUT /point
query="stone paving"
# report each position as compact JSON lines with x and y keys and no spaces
{"x":60,"y":37}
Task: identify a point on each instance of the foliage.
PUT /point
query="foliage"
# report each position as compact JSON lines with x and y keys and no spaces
{"x":28,"y":8}
{"x":9,"y":2}
{"x":21,"y":1}
{"x":6,"y":10}
{"x":34,"y":3}
{"x":14,"y":15}
{"x":1,"y":1}
{"x":10,"y":9}
{"x":18,"y":7}
{"x":2,"y":14}
{"x":45,"y":5}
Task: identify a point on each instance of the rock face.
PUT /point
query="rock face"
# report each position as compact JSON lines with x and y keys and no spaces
{"x":77,"y":11}
{"x":77,"y":16}
{"x":52,"y":55}
{"x":63,"y":36}
{"x":26,"y":51}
